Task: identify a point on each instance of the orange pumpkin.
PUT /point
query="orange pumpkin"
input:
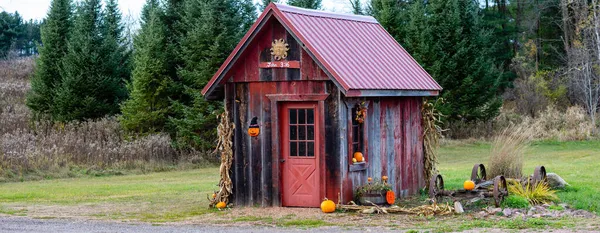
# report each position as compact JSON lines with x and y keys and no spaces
{"x":358,"y":156}
{"x":221,"y":205}
{"x":369,"y":179}
{"x":384,"y":178}
{"x":327,"y":206}
{"x":253,"y":131}
{"x":214,"y":195}
{"x":469,"y":185}
{"x":390,"y":197}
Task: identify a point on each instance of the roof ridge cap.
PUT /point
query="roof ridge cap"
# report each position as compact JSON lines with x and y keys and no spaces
{"x":325,"y":14}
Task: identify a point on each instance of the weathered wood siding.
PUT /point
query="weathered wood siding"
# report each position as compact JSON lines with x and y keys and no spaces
{"x":393,"y":140}
{"x":393,"y":145}
{"x":255,"y":173}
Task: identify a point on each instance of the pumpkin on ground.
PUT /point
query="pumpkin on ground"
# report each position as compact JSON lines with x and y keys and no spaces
{"x":358,"y":156}
{"x":469,"y":185}
{"x":390,"y":197}
{"x":221,"y":205}
{"x":327,"y":206}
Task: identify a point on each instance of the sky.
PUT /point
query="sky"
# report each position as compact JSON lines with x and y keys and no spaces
{"x":37,"y":9}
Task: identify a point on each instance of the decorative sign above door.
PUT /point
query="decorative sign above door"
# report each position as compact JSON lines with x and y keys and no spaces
{"x":279,"y":49}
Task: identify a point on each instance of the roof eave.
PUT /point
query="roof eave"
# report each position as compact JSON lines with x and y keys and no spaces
{"x":391,"y":93}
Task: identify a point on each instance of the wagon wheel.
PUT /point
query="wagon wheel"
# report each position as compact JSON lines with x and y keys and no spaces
{"x":500,"y":190}
{"x":478,"y":173}
{"x":436,"y":186}
{"x":539,"y":175}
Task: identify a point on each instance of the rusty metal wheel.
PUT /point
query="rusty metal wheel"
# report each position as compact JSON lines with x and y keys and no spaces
{"x":500,"y":190}
{"x":478,"y":174}
{"x":436,"y":186}
{"x":539,"y":175}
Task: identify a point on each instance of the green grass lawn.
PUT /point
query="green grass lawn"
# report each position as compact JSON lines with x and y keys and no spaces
{"x":180,"y":195}
{"x":577,"y":162}
{"x":157,"y":196}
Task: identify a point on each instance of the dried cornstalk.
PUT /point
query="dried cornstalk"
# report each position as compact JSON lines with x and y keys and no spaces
{"x":432,"y":132}
{"x":426,"y":210}
{"x":225,"y":146}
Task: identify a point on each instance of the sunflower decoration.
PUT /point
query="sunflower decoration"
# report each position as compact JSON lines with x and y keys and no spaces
{"x":361,"y":113}
{"x":279,"y":49}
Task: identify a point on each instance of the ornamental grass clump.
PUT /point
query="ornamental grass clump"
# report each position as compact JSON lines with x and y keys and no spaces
{"x":508,"y":150}
{"x":536,"y":194}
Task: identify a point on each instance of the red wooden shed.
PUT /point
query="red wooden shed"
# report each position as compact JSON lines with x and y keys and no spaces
{"x":301,"y":76}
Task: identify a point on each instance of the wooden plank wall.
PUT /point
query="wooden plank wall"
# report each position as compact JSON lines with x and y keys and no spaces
{"x":394,"y":147}
{"x":253,"y":176}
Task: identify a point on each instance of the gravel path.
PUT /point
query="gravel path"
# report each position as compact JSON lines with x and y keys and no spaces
{"x":29,"y":225}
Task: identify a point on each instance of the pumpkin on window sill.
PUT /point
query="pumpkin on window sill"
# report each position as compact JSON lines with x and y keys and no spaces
{"x":358,"y":156}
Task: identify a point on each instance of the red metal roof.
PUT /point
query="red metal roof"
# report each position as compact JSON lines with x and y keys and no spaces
{"x":362,"y":58}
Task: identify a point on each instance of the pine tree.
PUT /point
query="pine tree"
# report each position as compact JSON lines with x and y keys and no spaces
{"x":357,"y":7}
{"x":391,"y":14}
{"x":147,"y":109}
{"x":47,"y":77}
{"x":214,"y":27}
{"x":87,"y":91}
{"x":450,"y":42}
{"x":115,"y":47}
{"x":264,"y":3}
{"x":310,"y":4}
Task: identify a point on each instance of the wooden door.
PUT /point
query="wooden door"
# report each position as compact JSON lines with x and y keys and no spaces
{"x":300,"y":154}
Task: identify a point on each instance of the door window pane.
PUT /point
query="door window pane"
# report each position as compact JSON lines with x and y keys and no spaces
{"x":293,"y":149}
{"x":310,"y":132}
{"x":293,"y":116}
{"x":293,"y":132}
{"x":310,"y":148}
{"x":310,"y":115}
{"x":302,"y":149}
{"x":301,"y":116}
{"x":302,"y":132}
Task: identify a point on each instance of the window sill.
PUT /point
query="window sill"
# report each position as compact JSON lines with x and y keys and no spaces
{"x":358,"y":166}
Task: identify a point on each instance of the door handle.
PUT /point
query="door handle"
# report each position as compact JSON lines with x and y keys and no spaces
{"x":282,"y":160}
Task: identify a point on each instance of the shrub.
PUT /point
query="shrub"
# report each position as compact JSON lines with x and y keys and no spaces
{"x":514,"y":201}
{"x":539,"y":193}
{"x":35,"y":149}
{"x":508,"y":149}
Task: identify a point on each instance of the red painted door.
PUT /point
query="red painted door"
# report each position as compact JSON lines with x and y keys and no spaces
{"x":300,"y":154}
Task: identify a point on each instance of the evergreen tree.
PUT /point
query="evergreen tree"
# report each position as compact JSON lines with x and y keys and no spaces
{"x":11,"y":29}
{"x":357,"y":7}
{"x":87,"y":90}
{"x":147,"y":108}
{"x":310,"y":4}
{"x":214,"y":27}
{"x":264,"y":3}
{"x":47,"y":77}
{"x":391,"y":14}
{"x":449,"y":40}
{"x":115,"y":48}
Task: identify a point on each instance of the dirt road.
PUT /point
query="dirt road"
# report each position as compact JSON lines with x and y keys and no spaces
{"x":29,"y":225}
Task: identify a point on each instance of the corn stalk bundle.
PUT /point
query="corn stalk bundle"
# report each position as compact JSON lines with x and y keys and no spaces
{"x":426,"y":210}
{"x":432,"y":132}
{"x":225,"y":146}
